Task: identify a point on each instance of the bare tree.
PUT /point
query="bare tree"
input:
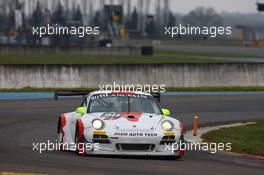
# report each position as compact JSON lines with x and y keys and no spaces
{"x":67,"y":5}
{"x":140,"y":13}
{"x":121,"y":2}
{"x":3,"y":7}
{"x":91,"y":9}
{"x":128,"y":9}
{"x":102,"y":3}
{"x":203,"y":17}
{"x":147,"y":7}
{"x":166,"y":11}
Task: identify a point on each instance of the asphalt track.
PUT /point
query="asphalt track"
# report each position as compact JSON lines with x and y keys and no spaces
{"x":214,"y":49}
{"x":25,"y":121}
{"x":258,"y":52}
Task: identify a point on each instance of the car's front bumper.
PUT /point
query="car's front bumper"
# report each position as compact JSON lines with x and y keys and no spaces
{"x":147,"y":143}
{"x":142,"y":147}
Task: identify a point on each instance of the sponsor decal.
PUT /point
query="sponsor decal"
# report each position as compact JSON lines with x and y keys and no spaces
{"x":135,"y":134}
{"x":115,"y":94}
{"x":111,"y":116}
{"x":130,"y":116}
{"x":98,"y":96}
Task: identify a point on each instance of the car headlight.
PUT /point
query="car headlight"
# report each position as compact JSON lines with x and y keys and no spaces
{"x":167,"y":125}
{"x":98,"y":124}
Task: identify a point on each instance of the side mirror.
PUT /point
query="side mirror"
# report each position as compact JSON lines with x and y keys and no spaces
{"x":81,"y":110}
{"x":166,"y":112}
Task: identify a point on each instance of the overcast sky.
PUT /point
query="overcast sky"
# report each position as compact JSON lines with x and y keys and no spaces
{"x":184,"y":6}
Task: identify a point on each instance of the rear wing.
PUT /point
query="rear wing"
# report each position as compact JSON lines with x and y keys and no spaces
{"x":69,"y":93}
{"x":156,"y":95}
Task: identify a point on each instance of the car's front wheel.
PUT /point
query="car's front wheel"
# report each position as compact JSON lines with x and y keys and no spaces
{"x":79,"y":141}
{"x":182,"y":148}
{"x":60,"y":133}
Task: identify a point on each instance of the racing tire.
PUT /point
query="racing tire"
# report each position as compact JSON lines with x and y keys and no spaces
{"x":79,"y":142}
{"x":60,"y":134}
{"x":179,"y":157}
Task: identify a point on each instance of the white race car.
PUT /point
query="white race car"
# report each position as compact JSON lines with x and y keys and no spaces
{"x":120,"y":123}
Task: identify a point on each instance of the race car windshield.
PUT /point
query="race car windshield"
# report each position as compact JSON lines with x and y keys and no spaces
{"x":124,"y":104}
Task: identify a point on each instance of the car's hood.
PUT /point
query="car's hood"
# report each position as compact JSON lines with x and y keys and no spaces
{"x":128,"y":120}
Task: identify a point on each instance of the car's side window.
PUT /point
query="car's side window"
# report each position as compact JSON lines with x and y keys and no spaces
{"x":84,"y":103}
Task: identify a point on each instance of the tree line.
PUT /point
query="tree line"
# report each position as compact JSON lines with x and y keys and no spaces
{"x":138,"y":21}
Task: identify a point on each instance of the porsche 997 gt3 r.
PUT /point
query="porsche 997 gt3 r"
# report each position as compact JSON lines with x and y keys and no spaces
{"x":121,"y":123}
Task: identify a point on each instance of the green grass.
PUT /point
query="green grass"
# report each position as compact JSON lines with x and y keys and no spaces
{"x":245,"y":139}
{"x":205,"y":54}
{"x":147,"y":42}
{"x":101,"y":59}
{"x":176,"y":89}
{"x":202,"y":42}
